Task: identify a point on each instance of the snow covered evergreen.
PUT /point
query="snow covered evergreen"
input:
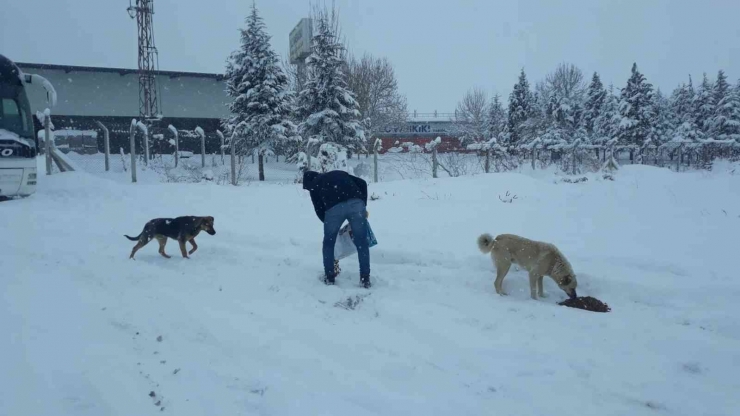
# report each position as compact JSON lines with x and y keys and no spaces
{"x":665,"y":119}
{"x":260,"y":110}
{"x":596,"y":96}
{"x":520,"y":109}
{"x":327,"y":109}
{"x":704,"y":105}
{"x":496,"y":120}
{"x":726,"y":121}
{"x":606,"y":124}
{"x":682,"y":102}
{"x":636,"y":110}
{"x":721,"y":87}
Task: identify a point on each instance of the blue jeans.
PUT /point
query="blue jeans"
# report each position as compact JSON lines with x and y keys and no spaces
{"x":354,"y":212}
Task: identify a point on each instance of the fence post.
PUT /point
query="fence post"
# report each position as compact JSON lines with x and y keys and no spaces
{"x":47,"y":140}
{"x":221,"y":136}
{"x":534,"y":155}
{"x":199,"y":131}
{"x":106,"y":144}
{"x":575,"y":151}
{"x":132,"y":135}
{"x":488,"y":159}
{"x":434,"y":162}
{"x":146,"y":147}
{"x":174,"y":132}
{"x":308,"y":154}
{"x":233,"y":159}
{"x":678,"y":158}
{"x":375,"y":160}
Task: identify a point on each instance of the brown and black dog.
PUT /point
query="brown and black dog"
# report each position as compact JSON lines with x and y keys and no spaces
{"x":182,"y":229}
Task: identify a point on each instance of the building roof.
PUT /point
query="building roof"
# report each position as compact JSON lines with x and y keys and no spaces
{"x":120,"y":71}
{"x":435,"y":117}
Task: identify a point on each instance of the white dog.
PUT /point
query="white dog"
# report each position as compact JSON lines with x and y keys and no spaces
{"x":538,"y":258}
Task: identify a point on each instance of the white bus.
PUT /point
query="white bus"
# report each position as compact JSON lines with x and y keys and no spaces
{"x":18,"y":143}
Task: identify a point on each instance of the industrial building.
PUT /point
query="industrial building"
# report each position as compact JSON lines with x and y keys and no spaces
{"x":187,"y":100}
{"x":111,"y":96}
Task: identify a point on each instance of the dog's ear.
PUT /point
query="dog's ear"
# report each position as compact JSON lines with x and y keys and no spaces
{"x":210,"y":219}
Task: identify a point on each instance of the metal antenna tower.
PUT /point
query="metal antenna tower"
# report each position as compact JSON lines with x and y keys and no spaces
{"x":149,"y":105}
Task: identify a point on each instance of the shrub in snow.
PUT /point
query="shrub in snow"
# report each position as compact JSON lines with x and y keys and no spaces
{"x":123,"y":161}
{"x":508,"y":198}
{"x":208,"y":175}
{"x":610,"y":165}
{"x":363,"y":170}
{"x":332,"y":157}
{"x":575,"y":180}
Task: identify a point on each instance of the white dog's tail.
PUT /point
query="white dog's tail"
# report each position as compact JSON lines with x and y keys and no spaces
{"x":485,"y":243}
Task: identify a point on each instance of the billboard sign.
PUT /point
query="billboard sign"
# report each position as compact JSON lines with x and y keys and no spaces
{"x":300,"y":41}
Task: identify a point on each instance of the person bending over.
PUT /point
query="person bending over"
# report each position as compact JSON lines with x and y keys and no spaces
{"x":338,"y":196}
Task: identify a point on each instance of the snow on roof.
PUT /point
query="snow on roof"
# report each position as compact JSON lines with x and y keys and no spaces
{"x":430,"y":117}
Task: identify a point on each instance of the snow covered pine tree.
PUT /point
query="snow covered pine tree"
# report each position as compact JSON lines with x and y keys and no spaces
{"x":520,"y":108}
{"x":496,"y":120}
{"x":636,"y":110}
{"x":328,"y":110}
{"x":606,"y":125}
{"x":704,"y":106}
{"x":726,"y":121}
{"x":260,"y":112}
{"x":596,"y":96}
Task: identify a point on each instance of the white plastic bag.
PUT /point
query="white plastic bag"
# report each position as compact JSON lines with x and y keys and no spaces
{"x":345,"y":247}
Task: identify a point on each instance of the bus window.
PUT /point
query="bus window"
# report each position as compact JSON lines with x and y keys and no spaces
{"x":11,"y":118}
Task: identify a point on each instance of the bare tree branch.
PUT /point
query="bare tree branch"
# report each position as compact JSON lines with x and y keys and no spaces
{"x":373,"y":81}
{"x":471,"y":115}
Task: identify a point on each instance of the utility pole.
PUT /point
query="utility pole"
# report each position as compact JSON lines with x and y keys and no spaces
{"x":149,"y":100}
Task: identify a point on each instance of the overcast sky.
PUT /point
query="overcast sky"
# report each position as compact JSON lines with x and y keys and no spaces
{"x":439,"y":49}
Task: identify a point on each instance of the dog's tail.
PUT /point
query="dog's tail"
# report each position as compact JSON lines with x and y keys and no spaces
{"x":485,"y":243}
{"x":134,"y":238}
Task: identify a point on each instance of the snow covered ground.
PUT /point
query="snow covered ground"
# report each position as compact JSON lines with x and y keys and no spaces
{"x":246,"y":328}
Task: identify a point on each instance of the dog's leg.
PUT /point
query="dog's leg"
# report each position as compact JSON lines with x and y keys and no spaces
{"x":162,"y":242}
{"x":183,"y":250}
{"x":540,"y":289}
{"x":533,"y":285}
{"x":137,"y":247}
{"x":195,"y":246}
{"x":502,"y":268}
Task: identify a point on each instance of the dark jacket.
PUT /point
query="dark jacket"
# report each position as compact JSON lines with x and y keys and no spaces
{"x":331,"y":188}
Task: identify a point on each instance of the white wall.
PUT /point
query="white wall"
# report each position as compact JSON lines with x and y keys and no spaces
{"x":110,"y":94}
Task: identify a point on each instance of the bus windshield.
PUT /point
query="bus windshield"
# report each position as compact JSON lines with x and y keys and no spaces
{"x":13,"y":118}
